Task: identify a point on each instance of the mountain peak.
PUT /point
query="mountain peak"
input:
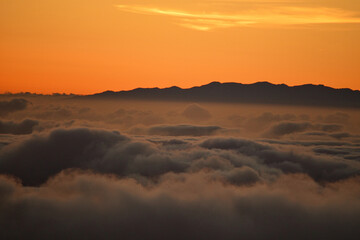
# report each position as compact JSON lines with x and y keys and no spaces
{"x":256,"y":93}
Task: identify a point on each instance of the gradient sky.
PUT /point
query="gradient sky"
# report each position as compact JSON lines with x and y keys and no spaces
{"x":88,"y":46}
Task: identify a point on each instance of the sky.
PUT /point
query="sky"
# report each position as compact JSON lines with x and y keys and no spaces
{"x":89,"y":46}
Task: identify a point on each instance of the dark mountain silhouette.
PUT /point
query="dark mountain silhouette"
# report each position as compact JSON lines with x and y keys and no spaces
{"x":260,"y":93}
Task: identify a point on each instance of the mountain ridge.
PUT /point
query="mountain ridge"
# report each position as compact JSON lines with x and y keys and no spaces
{"x":231,"y":92}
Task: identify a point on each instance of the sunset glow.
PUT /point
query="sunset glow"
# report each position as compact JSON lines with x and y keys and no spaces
{"x":179,"y":119}
{"x":273,"y":16}
{"x":91,"y":46}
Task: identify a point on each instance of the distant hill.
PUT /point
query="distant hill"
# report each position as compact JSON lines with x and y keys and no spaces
{"x":259,"y":93}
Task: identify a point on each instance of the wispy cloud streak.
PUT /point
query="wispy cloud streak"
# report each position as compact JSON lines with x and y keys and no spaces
{"x":270,"y":16}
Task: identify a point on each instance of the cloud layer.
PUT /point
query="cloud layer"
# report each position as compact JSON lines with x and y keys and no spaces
{"x":135,"y":170}
{"x":92,"y":206}
{"x":34,"y":160}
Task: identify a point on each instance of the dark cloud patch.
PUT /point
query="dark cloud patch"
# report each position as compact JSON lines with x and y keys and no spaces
{"x":3,"y":144}
{"x":340,"y":135}
{"x":212,"y":163}
{"x":328,"y":127}
{"x":315,"y":134}
{"x":196,"y":113}
{"x":139,"y":158}
{"x":288,"y":161}
{"x":347,"y":153}
{"x":286,"y":128}
{"x":13,"y":105}
{"x":243,"y":145}
{"x":183,"y":130}
{"x":356,"y":157}
{"x":41,"y":156}
{"x":241,"y":176}
{"x":81,"y":205}
{"x":311,"y":143}
{"x":25,"y":127}
{"x":173,"y":144}
{"x":330,"y":151}
{"x":177,"y":130}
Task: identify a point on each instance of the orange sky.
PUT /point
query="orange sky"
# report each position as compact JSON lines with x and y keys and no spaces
{"x":88,"y":46}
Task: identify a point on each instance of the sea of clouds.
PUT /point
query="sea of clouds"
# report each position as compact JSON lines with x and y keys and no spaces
{"x":90,"y":169}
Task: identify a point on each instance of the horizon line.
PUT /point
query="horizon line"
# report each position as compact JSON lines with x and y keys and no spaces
{"x":172,"y":86}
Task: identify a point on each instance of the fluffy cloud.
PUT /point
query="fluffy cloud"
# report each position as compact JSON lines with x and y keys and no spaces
{"x":85,"y":205}
{"x":36,"y":159}
{"x":288,"y":161}
{"x":24,"y":127}
{"x":13,"y":105}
